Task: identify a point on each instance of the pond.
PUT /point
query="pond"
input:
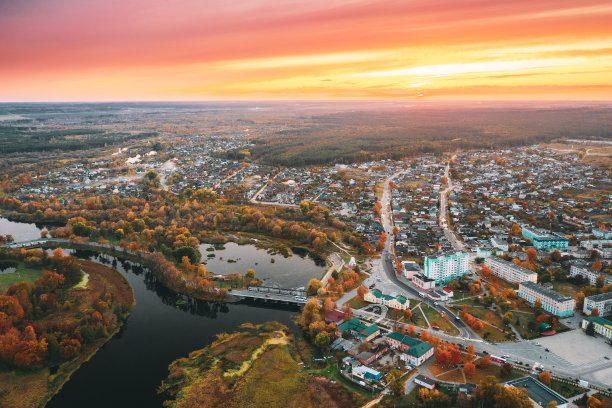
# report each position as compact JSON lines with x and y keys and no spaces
{"x":20,"y":231}
{"x":274,"y":269}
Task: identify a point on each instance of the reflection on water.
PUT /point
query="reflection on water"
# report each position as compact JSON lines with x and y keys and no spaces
{"x":20,"y":231}
{"x":163,"y":326}
{"x":274,"y":269}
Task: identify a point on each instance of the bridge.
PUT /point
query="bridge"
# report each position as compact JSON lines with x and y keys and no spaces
{"x":270,"y":294}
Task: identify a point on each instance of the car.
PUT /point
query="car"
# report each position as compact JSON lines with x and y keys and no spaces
{"x":606,"y":357}
{"x":267,"y":295}
{"x":547,"y":350}
{"x":538,"y":344}
{"x":506,"y":356}
{"x":485,"y":352}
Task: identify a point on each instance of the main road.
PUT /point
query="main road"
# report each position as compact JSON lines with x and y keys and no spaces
{"x":388,"y":255}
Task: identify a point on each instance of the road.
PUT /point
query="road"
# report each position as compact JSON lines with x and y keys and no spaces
{"x":448,"y":232}
{"x":337,"y":263}
{"x":388,"y":255}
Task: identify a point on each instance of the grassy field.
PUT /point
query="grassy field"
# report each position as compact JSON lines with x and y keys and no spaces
{"x":394,"y":314}
{"x":436,"y":319}
{"x":565,"y":389}
{"x":491,"y":333}
{"x":258,"y":364}
{"x":418,"y":318}
{"x":23,"y":274}
{"x":566,"y":288}
{"x":357,"y":303}
{"x":524,"y":319}
{"x":456,"y":375}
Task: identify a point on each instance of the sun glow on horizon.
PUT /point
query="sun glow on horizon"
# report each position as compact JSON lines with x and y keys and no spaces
{"x":362,"y":49}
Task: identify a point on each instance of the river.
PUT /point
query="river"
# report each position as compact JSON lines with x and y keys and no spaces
{"x":127,"y":370}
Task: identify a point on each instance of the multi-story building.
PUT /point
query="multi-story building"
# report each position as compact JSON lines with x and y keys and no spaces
{"x":602,"y":326}
{"x":542,"y":239}
{"x":553,"y":302}
{"x":583,"y":269}
{"x":446,"y":266}
{"x":601,"y":302}
{"x":510,"y":272}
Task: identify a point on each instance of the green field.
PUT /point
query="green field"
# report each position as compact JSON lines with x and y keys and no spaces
{"x":23,"y":273}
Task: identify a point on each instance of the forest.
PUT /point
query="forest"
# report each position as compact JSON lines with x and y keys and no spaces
{"x":363,"y":135}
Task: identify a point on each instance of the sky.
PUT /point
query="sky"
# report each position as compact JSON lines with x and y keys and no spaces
{"x":117,"y":50}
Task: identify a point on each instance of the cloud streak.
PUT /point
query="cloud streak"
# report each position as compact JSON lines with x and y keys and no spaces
{"x":200,"y":49}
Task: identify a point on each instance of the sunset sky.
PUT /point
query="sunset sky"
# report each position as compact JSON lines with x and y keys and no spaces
{"x":86,"y":50}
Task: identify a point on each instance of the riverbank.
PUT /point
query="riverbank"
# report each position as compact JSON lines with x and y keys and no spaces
{"x":35,"y":388}
{"x":259,"y":364}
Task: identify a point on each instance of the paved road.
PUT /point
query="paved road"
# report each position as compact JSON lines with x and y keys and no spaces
{"x":387,"y":258}
{"x":337,"y":265}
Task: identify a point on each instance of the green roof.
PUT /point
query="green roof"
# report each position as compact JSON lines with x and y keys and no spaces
{"x":370,"y":330}
{"x":387,"y":297}
{"x":354,"y":324}
{"x":401,"y":299}
{"x":599,"y":320}
{"x":404,"y":339}
{"x":418,"y":350}
{"x":377,"y":293}
{"x":361,"y":329}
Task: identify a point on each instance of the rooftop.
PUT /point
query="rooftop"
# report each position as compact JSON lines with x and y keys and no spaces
{"x":537,"y":391}
{"x":549,"y":293}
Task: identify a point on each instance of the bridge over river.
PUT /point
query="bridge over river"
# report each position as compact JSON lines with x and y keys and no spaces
{"x":270,"y":294}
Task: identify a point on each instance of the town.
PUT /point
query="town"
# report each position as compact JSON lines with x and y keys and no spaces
{"x":468,"y":261}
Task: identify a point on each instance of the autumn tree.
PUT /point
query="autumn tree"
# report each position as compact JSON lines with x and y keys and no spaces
{"x":396,"y":382}
{"x":311,"y":313}
{"x":469,"y":369}
{"x":348,"y":313}
{"x":596,"y":265}
{"x":313,"y":286}
{"x":328,"y":306}
{"x":532,"y":256}
{"x":361,"y":291}
{"x":505,"y":370}
{"x":544,"y":377}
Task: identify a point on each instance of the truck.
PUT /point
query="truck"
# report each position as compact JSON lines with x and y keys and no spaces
{"x":584,"y":384}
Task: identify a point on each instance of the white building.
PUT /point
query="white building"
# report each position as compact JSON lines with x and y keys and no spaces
{"x":583,"y":269}
{"x":446,"y":266}
{"x":510,"y":272}
{"x":553,"y":302}
{"x":601,"y":302}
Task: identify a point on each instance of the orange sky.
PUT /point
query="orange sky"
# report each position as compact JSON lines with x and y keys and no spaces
{"x":54,"y":50}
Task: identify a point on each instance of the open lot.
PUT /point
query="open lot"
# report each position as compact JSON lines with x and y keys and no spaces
{"x":576,"y":347}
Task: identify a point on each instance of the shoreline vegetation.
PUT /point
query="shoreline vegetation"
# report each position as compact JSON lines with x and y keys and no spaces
{"x":261,"y":364}
{"x":35,"y":386}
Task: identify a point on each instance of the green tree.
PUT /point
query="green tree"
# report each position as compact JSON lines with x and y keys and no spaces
{"x":590,"y":329}
{"x":322,"y":340}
